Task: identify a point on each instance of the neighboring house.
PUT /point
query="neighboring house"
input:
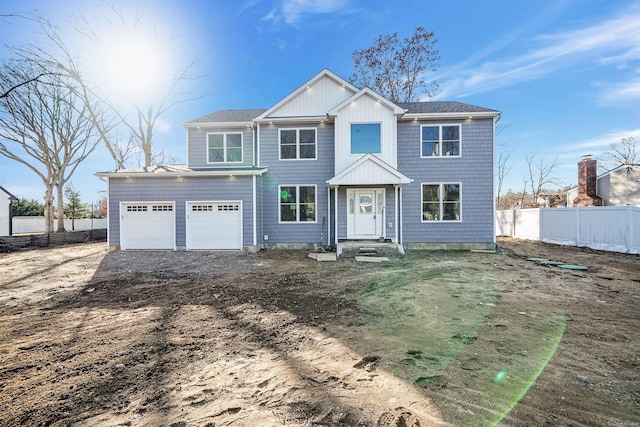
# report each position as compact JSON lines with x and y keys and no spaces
{"x":328,"y":163}
{"x":6,"y":200}
{"x":619,"y":186}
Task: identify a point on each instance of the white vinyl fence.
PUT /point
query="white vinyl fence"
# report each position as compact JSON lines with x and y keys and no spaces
{"x":609,"y":228}
{"x":35,"y":224}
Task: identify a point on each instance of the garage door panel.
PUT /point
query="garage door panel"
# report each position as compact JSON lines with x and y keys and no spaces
{"x":214,"y":225}
{"x":147,"y":226}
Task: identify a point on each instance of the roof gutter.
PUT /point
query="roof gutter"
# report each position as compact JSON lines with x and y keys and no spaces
{"x":178,"y":174}
{"x":216,"y":124}
{"x":459,"y":115}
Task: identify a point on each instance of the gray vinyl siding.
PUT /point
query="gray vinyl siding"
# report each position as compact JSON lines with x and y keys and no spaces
{"x":474,"y":170}
{"x":181,"y":190}
{"x":197,"y":147}
{"x":295,"y":172}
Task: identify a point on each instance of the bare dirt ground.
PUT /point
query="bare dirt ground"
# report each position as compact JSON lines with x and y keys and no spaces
{"x":277,"y":339}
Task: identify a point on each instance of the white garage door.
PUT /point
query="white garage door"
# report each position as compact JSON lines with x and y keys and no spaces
{"x":214,"y":225}
{"x":147,"y":226}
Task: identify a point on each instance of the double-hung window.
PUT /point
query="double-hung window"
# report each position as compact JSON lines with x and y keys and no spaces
{"x":298,"y":144}
{"x":297,"y":203}
{"x":440,"y":140}
{"x":441,"y":202}
{"x":224,"y":148}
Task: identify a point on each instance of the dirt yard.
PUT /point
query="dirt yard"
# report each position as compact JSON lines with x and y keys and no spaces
{"x":277,"y":339}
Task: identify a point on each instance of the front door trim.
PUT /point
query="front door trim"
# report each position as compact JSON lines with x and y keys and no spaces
{"x":366,"y":213}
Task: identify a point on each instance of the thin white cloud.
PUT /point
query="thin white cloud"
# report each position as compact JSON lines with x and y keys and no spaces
{"x":292,"y":11}
{"x":612,"y":94}
{"x":614,"y":41}
{"x":601,"y":143}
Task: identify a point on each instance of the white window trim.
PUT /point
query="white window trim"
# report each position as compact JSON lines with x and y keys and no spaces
{"x":351,"y":153}
{"x":297,"y":158}
{"x":440,"y":203}
{"x":297,"y":221}
{"x":224,"y":145}
{"x":440,"y":125}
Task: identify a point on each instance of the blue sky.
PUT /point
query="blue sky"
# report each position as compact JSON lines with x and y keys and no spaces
{"x":564,"y":73}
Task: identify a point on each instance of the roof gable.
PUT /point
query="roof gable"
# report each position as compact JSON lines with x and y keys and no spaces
{"x":371,"y":170}
{"x":397,"y":110}
{"x":313,"y":99}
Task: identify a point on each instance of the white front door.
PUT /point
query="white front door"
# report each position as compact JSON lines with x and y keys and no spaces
{"x":365,"y":213}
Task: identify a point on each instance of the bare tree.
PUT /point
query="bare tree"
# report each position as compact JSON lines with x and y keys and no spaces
{"x":504,"y":165}
{"x":540,"y":174}
{"x":58,"y":57}
{"x":142,"y":122}
{"x":41,"y":128}
{"x":622,"y":153}
{"x":398,"y":69}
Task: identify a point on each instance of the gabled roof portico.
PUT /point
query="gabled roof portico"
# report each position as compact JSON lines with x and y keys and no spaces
{"x":369,"y":170}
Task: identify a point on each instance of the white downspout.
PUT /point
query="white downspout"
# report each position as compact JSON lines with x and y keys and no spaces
{"x":255,"y":216}
{"x":328,"y":216}
{"x":257,"y":146}
{"x":335,"y":223}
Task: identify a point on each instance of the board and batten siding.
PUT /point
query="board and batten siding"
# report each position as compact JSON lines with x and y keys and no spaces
{"x":181,"y":190}
{"x":197,"y":147}
{"x":316,"y":100}
{"x":295,"y":172}
{"x":473,"y":170}
{"x":365,"y":110}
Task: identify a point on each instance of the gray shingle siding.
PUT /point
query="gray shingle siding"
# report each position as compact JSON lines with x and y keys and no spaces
{"x":295,"y":172}
{"x":474,"y":170}
{"x":197,"y":147}
{"x":181,"y":190}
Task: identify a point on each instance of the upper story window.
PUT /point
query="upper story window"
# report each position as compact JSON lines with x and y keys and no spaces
{"x":440,"y":140}
{"x":224,"y":148}
{"x":441,"y":202}
{"x":298,"y":144}
{"x":365,"y":138}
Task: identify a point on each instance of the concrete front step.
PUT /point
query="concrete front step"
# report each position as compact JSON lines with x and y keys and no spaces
{"x":352,"y":249}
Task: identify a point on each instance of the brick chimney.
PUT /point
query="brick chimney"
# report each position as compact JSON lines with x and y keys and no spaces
{"x":587,"y":174}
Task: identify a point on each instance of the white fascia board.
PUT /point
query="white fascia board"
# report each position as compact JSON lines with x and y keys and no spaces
{"x":217,"y":125}
{"x":184,"y":174}
{"x":297,"y":119}
{"x":474,"y":115}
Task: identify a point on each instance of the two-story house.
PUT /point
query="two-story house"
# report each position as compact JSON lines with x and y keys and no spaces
{"x":330,"y":162}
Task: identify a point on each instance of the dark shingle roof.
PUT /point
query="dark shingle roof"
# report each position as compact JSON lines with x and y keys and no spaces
{"x":230,"y":116}
{"x":431,"y":107}
{"x":435,"y":107}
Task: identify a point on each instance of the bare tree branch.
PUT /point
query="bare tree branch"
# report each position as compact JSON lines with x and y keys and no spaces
{"x":397,"y":69}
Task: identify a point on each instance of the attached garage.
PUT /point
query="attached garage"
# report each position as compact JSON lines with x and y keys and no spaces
{"x":214,"y":225}
{"x":145,"y":225}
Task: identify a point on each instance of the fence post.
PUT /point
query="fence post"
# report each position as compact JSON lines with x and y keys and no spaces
{"x":630,"y":243}
{"x":540,"y":216}
{"x":513,"y":222}
{"x":577,"y":225}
